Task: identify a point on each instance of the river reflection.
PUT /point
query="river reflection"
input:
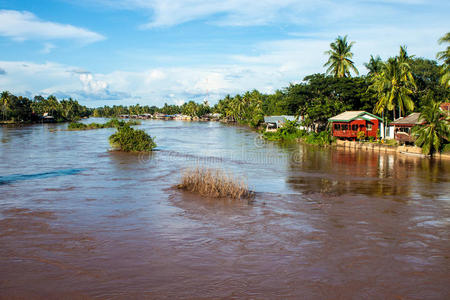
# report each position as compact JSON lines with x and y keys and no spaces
{"x":325,"y":223}
{"x":344,"y":171}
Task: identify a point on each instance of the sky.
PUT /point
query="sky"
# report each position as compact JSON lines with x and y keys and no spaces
{"x":151,"y":52}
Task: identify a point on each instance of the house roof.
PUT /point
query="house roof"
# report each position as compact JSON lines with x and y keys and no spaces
{"x":348,"y":116}
{"x":412,"y":119}
{"x":445,"y":106}
{"x":278,"y":119}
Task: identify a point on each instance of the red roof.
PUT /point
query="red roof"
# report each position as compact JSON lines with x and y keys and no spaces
{"x":445,"y":106}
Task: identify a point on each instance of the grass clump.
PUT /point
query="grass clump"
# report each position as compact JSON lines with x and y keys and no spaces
{"x":131,"y":140}
{"x":214,"y":183}
{"x":113,"y":123}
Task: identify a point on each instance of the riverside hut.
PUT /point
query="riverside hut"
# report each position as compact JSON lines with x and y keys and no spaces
{"x":403,"y":127}
{"x":275,"y":122}
{"x":347,"y":124}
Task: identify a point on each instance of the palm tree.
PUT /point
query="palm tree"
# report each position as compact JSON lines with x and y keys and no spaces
{"x":445,"y":57}
{"x":394,"y":87}
{"x":436,"y":129}
{"x":339,"y":62}
{"x":374,"y":65}
{"x":5,"y":99}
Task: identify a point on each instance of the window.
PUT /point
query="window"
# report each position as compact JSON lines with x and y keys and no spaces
{"x":344,"y":127}
{"x":361,"y":127}
{"x":354,"y":127}
{"x":337,"y":127}
{"x":369,"y":127}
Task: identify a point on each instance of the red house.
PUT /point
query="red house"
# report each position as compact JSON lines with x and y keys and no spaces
{"x":347,"y":124}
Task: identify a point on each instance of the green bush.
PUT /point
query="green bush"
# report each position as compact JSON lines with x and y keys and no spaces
{"x":322,"y":138}
{"x":131,"y":140}
{"x":446,"y":148}
{"x":361,"y":135}
{"x":113,"y":123}
{"x":77,"y":126}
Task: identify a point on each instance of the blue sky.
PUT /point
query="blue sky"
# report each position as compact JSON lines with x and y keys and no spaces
{"x":110,"y":52}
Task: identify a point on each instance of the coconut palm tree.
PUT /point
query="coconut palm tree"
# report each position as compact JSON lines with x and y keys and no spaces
{"x":436,"y":129}
{"x":445,"y":57}
{"x":5,"y":99}
{"x":339,"y":62}
{"x":394,"y":87}
{"x":374,"y":65}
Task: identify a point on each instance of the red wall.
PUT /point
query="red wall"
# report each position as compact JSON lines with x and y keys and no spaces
{"x":351,"y":134}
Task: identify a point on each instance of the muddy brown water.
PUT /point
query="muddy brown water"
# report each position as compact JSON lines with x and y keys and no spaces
{"x":80,"y":222}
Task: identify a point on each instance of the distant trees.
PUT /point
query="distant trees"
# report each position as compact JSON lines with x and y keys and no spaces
{"x":244,"y":109}
{"x":339,"y":62}
{"x":22,"y":109}
{"x":4,"y":97}
{"x":194,"y":109}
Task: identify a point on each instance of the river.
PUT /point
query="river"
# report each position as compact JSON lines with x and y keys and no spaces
{"x":79,"y":221}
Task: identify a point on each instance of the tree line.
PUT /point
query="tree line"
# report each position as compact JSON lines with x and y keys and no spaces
{"x":190,"y":108}
{"x":392,"y":88}
{"x":22,"y":109}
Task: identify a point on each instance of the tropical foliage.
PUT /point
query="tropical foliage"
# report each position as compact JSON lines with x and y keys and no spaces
{"x":394,"y":85}
{"x":435,"y":133}
{"x":113,"y":123}
{"x":374,"y":65}
{"x":444,"y":56}
{"x":339,"y":62}
{"x":22,"y":109}
{"x":128,"y":139}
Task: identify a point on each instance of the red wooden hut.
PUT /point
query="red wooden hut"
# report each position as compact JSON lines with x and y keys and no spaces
{"x":347,"y":124}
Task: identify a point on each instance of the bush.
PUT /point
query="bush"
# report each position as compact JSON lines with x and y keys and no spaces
{"x":214,"y":184}
{"x":113,"y":123}
{"x":361,"y":135}
{"x":446,"y":148}
{"x":322,"y":138}
{"x":77,"y":126}
{"x":131,"y":140}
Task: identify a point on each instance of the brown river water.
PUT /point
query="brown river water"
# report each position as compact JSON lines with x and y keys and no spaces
{"x":80,"y":222}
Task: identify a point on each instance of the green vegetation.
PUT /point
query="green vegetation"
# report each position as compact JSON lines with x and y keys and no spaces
{"x":290,"y":132}
{"x":435,"y":133}
{"x":361,"y":135}
{"x":214,"y":184}
{"x":113,"y":123}
{"x":446,"y":149}
{"x":189,"y":108}
{"x":394,"y":85}
{"x":339,"y":62}
{"x":131,"y":140}
{"x":445,"y":57}
{"x":18,"y":109}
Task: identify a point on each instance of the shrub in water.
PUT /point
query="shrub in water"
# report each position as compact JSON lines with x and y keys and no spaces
{"x":131,"y":140}
{"x":214,"y":184}
{"x":113,"y":123}
{"x":76,"y":126}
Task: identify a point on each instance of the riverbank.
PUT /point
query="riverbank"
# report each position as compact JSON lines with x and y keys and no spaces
{"x":404,"y":150}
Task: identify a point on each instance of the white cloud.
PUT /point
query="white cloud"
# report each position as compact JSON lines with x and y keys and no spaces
{"x":48,"y":47}
{"x":23,"y":25}
{"x":165,"y":13}
{"x":92,"y":86}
